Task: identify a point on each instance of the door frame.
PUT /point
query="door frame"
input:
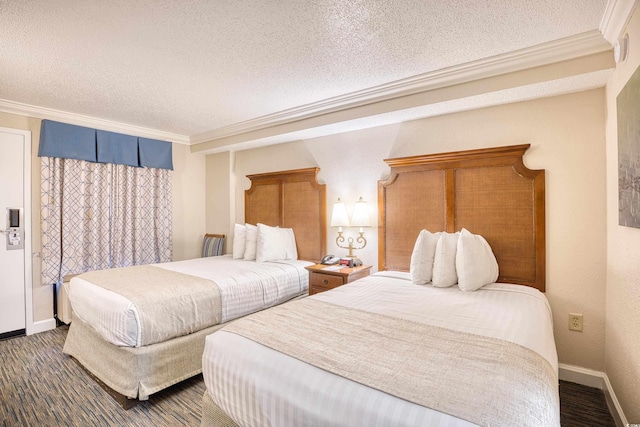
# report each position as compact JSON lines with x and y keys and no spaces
{"x":28,"y":264}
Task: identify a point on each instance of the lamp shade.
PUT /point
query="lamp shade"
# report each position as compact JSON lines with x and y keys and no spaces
{"x":339,"y":215}
{"x":360,"y":217}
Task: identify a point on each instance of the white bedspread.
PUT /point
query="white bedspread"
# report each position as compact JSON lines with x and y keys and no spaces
{"x":245,"y":287}
{"x":294,"y":393}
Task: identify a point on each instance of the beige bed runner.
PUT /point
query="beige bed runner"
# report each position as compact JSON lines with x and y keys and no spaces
{"x":483,"y":380}
{"x":165,"y":300}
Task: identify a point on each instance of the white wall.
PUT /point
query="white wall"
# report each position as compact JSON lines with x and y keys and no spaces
{"x":344,"y":171}
{"x":567,"y":138}
{"x":220,"y":191}
{"x":623,"y":250}
{"x":188,"y":207}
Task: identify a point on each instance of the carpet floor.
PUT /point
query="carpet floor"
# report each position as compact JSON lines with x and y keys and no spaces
{"x":41,"y":387}
{"x":582,"y":406}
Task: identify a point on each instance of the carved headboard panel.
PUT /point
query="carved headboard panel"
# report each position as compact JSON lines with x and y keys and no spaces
{"x":489,"y":192}
{"x":291,"y":199}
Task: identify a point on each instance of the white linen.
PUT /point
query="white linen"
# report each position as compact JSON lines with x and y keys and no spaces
{"x":239,"y":240}
{"x":275,"y":243}
{"x":293,"y":393}
{"x":476,"y":264}
{"x":424,"y":252}
{"x":245,"y":287}
{"x":444,"y":260}
{"x":251,"y":242}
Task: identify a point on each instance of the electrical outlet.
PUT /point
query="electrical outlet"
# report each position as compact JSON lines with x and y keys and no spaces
{"x":575,"y":322}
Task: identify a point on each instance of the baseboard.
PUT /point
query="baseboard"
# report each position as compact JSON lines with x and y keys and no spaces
{"x":579,"y":375}
{"x":42,"y":326}
{"x":597,"y":379}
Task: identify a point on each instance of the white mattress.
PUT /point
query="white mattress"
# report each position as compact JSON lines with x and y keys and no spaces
{"x":245,"y":287}
{"x":289,"y":392}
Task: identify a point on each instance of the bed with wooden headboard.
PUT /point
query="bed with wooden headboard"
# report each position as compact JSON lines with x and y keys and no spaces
{"x":291,"y":199}
{"x":489,"y":192}
{"x":383,"y":348}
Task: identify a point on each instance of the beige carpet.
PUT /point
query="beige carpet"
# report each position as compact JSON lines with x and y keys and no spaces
{"x":40,"y":386}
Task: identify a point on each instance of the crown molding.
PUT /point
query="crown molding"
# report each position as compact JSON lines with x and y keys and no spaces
{"x":615,"y":18}
{"x":568,"y":48}
{"x":18,"y":108}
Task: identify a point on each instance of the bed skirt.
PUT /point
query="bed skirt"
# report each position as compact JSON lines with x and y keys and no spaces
{"x":212,"y":415}
{"x":137,"y":372}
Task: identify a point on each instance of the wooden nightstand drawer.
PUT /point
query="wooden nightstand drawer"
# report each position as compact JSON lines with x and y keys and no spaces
{"x":323,"y":278}
{"x":325,"y":281}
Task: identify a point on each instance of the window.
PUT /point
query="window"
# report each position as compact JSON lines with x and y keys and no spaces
{"x":101,"y":215}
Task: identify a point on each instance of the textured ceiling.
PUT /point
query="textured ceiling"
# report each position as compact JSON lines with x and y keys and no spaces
{"x":192,"y":67}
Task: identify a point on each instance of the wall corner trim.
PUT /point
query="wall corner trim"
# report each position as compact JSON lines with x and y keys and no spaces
{"x":42,"y":326}
{"x":597,"y":379}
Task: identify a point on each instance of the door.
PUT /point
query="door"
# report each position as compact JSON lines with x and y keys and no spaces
{"x":13,"y":268}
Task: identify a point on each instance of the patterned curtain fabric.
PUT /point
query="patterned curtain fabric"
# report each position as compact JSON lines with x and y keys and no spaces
{"x":141,"y":216}
{"x":97,"y":216}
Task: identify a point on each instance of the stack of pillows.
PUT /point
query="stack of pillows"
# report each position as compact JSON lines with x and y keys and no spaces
{"x":263,"y":243}
{"x":444,"y":259}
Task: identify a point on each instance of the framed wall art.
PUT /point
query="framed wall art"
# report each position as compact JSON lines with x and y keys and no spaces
{"x":628,"y":105}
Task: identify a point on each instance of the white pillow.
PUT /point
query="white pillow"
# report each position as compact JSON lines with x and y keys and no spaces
{"x":275,"y":243}
{"x":239,"y":241}
{"x":475,"y":262}
{"x":424,"y":250}
{"x":250,"y":248}
{"x":444,"y":261}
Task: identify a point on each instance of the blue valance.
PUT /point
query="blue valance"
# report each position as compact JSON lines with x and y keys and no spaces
{"x":154,"y":153}
{"x":67,"y":141}
{"x":77,"y":142}
{"x":117,"y":148}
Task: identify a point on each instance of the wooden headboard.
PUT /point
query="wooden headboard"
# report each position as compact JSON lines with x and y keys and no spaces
{"x":291,"y":199}
{"x":489,"y":192}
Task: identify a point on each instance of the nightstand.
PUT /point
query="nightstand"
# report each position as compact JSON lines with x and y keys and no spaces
{"x":325,"y":277}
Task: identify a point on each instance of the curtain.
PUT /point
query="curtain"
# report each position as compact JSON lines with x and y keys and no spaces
{"x":97,"y":216}
{"x":141,"y":216}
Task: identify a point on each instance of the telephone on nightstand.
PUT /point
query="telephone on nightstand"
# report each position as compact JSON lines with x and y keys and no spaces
{"x":330,"y":260}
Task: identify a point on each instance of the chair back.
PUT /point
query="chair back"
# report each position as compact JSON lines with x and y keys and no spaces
{"x":213,"y":245}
